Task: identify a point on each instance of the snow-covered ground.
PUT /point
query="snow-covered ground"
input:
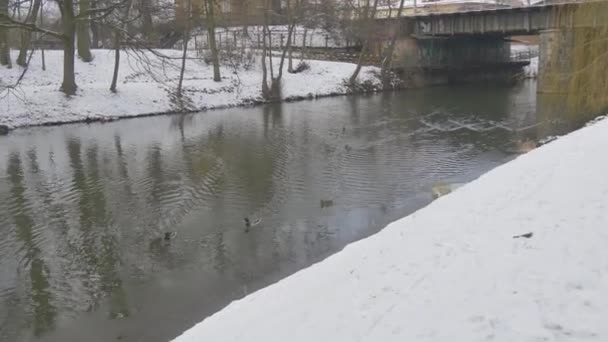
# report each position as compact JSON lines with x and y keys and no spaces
{"x":454,"y":271}
{"x":147,"y":86}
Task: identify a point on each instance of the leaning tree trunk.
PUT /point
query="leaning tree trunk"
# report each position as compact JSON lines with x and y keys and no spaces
{"x":217,"y":77}
{"x":5,"y":51}
{"x":366,"y":43}
{"x":387,"y":62}
{"x":83,"y":27}
{"x":285,"y":49}
{"x":117,"y":46}
{"x":185,"y":39}
{"x":116,"y":60}
{"x":68,"y":86}
{"x":26,"y":36}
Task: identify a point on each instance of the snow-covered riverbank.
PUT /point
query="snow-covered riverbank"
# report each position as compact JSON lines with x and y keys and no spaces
{"x":146,"y":86}
{"x":459,"y":269}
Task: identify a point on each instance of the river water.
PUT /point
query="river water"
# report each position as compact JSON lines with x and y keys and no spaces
{"x":84,"y":208}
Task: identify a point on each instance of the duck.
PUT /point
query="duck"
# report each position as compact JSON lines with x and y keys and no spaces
{"x":526,"y":146}
{"x":162,"y":242}
{"x":326,"y":203}
{"x":249,"y":223}
{"x":168,"y":236}
{"x":442,"y":189}
{"x":523,"y":146}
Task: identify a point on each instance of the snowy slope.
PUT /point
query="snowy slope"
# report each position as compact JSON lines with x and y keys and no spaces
{"x":146,"y":85}
{"x":453,"y":271}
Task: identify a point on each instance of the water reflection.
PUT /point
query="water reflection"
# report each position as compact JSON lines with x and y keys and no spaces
{"x":84,"y":208}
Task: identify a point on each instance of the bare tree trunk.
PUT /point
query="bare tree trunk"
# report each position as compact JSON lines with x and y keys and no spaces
{"x":117,"y":45}
{"x":5,"y":50}
{"x":26,"y":36}
{"x":116,"y":60}
{"x":290,"y":60}
{"x":42,"y":49}
{"x":270,"y":51}
{"x":285,"y":48}
{"x":303,"y":52}
{"x":95,"y":27}
{"x":387,"y":62}
{"x":275,"y":83}
{"x":186,"y":38}
{"x":366,"y":43}
{"x":240,"y":12}
{"x":83,"y":28}
{"x":68,"y":86}
{"x":265,"y":89}
{"x":217,"y":77}
{"x":290,"y":38}
{"x":145,"y":9}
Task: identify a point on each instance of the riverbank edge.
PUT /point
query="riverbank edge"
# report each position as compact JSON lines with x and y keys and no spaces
{"x":447,"y":294}
{"x":360,"y":89}
{"x":148,"y":89}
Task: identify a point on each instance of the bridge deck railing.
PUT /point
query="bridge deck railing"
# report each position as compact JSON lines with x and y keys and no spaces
{"x":416,"y":8}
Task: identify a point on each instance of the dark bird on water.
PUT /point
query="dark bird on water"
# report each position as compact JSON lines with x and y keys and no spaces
{"x":326,"y":203}
{"x":162,"y":242}
{"x":249,"y":223}
{"x":526,"y":236}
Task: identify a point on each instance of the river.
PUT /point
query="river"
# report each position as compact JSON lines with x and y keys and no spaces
{"x":84,"y":208}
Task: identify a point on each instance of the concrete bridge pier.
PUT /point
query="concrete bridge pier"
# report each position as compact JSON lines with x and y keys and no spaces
{"x":572,"y":62}
{"x":555,"y":60}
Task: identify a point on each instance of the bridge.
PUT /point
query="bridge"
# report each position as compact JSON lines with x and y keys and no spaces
{"x":473,"y":42}
{"x":505,"y":21}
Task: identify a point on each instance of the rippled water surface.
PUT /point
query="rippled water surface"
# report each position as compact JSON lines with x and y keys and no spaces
{"x":83,"y":208}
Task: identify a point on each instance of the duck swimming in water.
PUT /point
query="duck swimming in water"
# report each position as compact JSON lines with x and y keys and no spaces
{"x":162,"y":242}
{"x":249,"y":223}
{"x":326,"y":203}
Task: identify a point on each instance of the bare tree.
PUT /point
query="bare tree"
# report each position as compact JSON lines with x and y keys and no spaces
{"x":145,"y":9}
{"x":95,"y":27}
{"x":265,"y":88}
{"x":5,"y":53}
{"x":273,"y":92}
{"x":83,"y":28}
{"x":368,"y":19}
{"x":185,"y":40}
{"x":118,"y":33}
{"x":291,"y":20}
{"x":68,"y":22}
{"x":387,"y":61}
{"x":26,"y":36}
{"x":210,"y":14}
